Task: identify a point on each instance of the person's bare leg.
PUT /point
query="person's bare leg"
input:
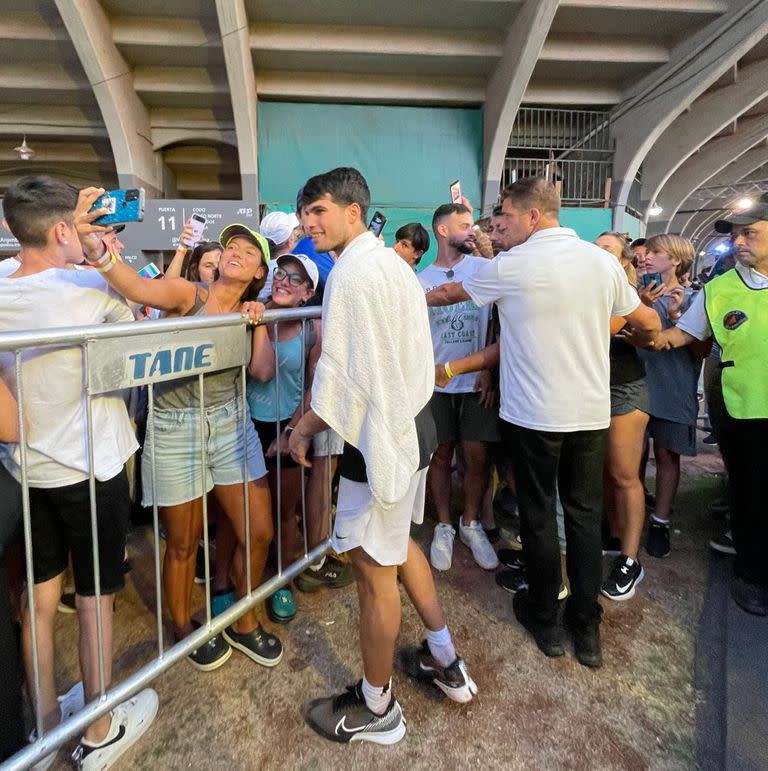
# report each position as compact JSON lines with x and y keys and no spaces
{"x":318,"y":500}
{"x":226,"y":543}
{"x":416,"y":576}
{"x":183,"y":526}
{"x":487,"y":517}
{"x":439,"y":480}
{"x":667,"y":480}
{"x":379,"y":615}
{"x":475,"y":479}
{"x":624,"y":452}
{"x":290,"y":494}
{"x":47,"y":596}
{"x":89,"y":656}
{"x":261,"y":534}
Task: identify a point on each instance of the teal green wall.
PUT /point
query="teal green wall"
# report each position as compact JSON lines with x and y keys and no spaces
{"x":633,"y":226}
{"x":409,"y":155}
{"x":588,"y":223}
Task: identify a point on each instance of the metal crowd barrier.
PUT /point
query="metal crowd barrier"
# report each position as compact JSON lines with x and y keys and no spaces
{"x":119,"y":356}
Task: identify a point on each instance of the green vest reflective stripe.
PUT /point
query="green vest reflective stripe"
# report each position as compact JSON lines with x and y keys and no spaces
{"x":738,"y":316}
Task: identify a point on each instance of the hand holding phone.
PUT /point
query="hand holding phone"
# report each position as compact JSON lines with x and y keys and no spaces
{"x":193,"y":230}
{"x":121,"y":205}
{"x":455,"y":190}
{"x":650,"y":278}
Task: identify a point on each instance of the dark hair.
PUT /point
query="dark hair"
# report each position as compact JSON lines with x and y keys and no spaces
{"x":497,"y":211}
{"x":33,"y":204}
{"x":416,"y":233}
{"x":446,"y":210}
{"x":533,"y":193}
{"x":637,"y":242}
{"x":190,"y":269}
{"x":345,"y":186}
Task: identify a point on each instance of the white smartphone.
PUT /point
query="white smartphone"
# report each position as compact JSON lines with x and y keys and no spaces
{"x":455,"y":192}
{"x":150,"y":270}
{"x":198,"y":226}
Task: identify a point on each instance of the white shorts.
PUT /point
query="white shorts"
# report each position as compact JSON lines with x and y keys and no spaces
{"x":327,"y":442}
{"x":382,"y":533}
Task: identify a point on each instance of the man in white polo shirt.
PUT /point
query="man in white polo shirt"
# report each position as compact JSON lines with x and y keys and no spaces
{"x":555,"y":294}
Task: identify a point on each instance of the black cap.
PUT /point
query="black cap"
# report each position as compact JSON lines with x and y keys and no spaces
{"x":758,"y":212}
{"x":117,"y":227}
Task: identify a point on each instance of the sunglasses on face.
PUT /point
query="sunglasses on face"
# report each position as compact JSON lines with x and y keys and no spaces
{"x":295,"y":279}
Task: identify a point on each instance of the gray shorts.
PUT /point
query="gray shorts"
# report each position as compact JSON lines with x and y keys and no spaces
{"x":679,"y":438}
{"x":628,"y":397}
{"x":461,"y":418}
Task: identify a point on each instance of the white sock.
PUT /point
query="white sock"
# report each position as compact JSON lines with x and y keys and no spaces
{"x":317,"y":565}
{"x":658,"y":519}
{"x":377,"y":698}
{"x":441,"y":646}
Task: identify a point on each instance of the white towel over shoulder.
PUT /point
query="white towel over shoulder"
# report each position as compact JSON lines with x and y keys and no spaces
{"x":376,"y":371}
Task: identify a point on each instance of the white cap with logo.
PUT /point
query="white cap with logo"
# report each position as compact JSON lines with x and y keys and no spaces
{"x":277,"y":226}
{"x":311,"y":269}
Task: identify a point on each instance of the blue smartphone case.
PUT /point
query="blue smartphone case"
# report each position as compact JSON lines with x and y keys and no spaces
{"x":123,"y":205}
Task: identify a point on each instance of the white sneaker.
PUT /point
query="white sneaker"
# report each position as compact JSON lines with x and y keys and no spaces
{"x":69,"y":703}
{"x":474,"y":536}
{"x":441,"y":551}
{"x":130,"y":720}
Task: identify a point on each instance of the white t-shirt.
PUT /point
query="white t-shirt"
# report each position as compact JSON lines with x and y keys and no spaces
{"x":695,"y":320}
{"x":8,"y":266}
{"x":555,"y":294}
{"x":457,"y":330}
{"x":53,"y":380}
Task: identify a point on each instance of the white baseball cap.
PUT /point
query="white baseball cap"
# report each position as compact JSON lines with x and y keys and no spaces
{"x":311,"y":269}
{"x":277,"y":226}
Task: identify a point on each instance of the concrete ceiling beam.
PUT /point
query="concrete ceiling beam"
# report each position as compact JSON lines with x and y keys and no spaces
{"x":65,"y":121}
{"x":700,"y":168}
{"x":233,"y":25}
{"x":658,"y":99}
{"x":659,"y":6}
{"x":125,"y":115}
{"x":708,"y":116}
{"x":507,"y":85}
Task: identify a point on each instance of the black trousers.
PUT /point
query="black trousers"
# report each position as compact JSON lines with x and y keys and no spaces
{"x":743,"y":445}
{"x":11,"y":717}
{"x":571,"y":462}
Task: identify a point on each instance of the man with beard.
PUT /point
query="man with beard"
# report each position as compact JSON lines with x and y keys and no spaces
{"x":459,"y":407}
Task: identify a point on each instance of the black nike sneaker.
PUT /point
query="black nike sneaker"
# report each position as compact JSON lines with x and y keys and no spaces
{"x":454,"y":680}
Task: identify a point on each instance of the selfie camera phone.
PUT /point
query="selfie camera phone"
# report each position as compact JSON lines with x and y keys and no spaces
{"x":150,"y":270}
{"x":377,"y":223}
{"x":121,"y":205}
{"x":197,"y":221}
{"x":455,"y":192}
{"x":649,"y":278}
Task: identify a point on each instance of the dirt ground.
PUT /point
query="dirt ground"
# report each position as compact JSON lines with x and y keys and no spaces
{"x":637,"y":712}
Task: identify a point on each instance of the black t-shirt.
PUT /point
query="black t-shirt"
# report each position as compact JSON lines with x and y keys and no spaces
{"x":352,"y":463}
{"x":626,"y":365}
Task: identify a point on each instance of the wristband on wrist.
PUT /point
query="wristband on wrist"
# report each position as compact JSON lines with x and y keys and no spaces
{"x":99,"y":261}
{"x":448,"y":370}
{"x":181,"y":248}
{"x":108,"y":264}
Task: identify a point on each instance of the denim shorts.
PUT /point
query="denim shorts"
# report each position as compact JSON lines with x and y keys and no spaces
{"x":178,"y":462}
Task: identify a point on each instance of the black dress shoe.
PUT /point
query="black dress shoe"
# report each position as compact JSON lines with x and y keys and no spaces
{"x":585,"y":633}
{"x":548,"y":637}
{"x":750,"y":597}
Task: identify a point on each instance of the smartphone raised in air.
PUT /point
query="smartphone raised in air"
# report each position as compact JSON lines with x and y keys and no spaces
{"x":121,"y":205}
{"x":455,"y":189}
{"x":377,"y":223}
{"x":198,"y":226}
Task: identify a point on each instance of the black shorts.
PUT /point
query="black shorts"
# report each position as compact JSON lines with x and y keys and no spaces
{"x":267,"y":431}
{"x":61,"y":525}
{"x":462,"y":418}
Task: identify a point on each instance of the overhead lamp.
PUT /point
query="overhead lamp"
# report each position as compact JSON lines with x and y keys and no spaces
{"x":24,"y":150}
{"x":744,"y":203}
{"x":702,"y":253}
{"x":721,"y":247}
{"x":655,"y":210}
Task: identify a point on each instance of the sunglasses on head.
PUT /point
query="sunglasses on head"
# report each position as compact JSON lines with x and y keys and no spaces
{"x":293,"y":278}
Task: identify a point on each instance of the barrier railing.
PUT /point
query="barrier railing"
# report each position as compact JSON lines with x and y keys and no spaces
{"x":126,"y":355}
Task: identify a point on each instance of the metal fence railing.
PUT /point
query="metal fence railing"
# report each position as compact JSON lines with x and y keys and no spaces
{"x":544,"y":128}
{"x":109,"y":355}
{"x":581,"y":182}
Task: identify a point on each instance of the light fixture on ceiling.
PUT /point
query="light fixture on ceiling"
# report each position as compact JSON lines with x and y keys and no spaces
{"x":24,"y":150}
{"x":655,"y":210}
{"x":744,"y":203}
{"x":722,"y":247}
{"x":702,"y":253}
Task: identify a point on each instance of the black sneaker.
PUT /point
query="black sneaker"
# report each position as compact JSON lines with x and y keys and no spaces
{"x":346,"y":718}
{"x":454,"y":680}
{"x":334,"y":574}
{"x":210,"y":655}
{"x":512,"y":580}
{"x":261,"y":646}
{"x":200,"y":564}
{"x":657,"y":544}
{"x":750,"y":597}
{"x":625,"y":575}
{"x":586,"y":639}
{"x":511,"y":558}
{"x":723,"y":543}
{"x":548,"y":637}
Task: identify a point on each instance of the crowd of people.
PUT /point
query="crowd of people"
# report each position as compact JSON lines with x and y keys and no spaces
{"x":529,"y":369}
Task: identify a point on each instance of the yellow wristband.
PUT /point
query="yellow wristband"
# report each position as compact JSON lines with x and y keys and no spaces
{"x":106,"y":268}
{"x":448,"y":370}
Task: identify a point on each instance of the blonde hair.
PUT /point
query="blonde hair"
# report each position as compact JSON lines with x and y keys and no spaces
{"x":678,"y":248}
{"x":627,"y":255}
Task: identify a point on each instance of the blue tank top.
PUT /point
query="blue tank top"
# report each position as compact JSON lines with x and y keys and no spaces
{"x":262,"y":397}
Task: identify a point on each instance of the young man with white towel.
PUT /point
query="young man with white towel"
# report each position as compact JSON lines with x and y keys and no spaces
{"x":372,"y":385}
